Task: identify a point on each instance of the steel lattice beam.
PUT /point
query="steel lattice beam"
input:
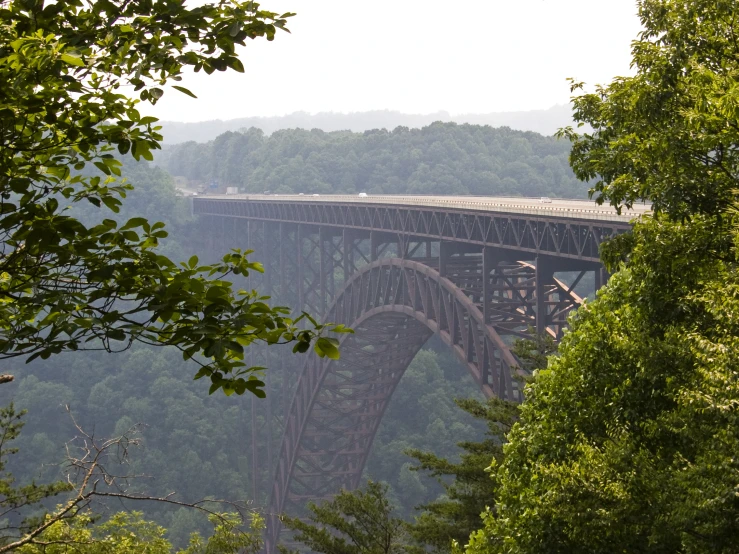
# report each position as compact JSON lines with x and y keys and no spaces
{"x":556,"y":236}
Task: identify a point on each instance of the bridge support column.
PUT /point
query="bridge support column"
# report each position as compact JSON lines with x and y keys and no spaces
{"x":270,"y":281}
{"x":403,"y":251}
{"x":488,"y":264}
{"x":445,"y":252}
{"x":544,"y":276}
{"x":283,"y":263}
{"x":332,"y":253}
{"x":299,"y":252}
{"x":380,"y":241}
{"x":347,"y":253}
{"x":310,"y":257}
{"x":323,"y":266}
{"x":254,"y":451}
{"x":355,"y":249}
{"x":601,"y":277}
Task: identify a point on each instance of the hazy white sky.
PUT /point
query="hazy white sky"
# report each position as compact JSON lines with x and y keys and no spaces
{"x":418,"y":56}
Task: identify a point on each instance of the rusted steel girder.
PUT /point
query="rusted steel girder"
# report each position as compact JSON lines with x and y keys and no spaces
{"x":555,"y":236}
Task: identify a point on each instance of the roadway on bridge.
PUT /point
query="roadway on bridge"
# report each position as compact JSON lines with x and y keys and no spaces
{"x":555,"y":207}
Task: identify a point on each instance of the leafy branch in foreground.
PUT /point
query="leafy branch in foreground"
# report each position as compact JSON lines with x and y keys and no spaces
{"x":70,"y":72}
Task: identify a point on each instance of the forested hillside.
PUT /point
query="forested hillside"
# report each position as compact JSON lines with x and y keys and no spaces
{"x":442,"y":158}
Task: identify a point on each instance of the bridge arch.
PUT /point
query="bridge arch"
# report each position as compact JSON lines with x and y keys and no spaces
{"x":394,"y":305}
{"x":503,"y":255}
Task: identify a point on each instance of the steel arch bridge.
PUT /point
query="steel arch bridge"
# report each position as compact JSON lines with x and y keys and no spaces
{"x":475,"y":274}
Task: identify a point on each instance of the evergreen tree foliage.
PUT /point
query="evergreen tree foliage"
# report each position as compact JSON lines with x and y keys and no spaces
{"x":470,"y":484}
{"x":356,"y":522}
{"x":456,"y":514}
{"x":422,"y":416}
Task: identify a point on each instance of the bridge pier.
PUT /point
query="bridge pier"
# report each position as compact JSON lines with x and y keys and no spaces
{"x":544,"y":277}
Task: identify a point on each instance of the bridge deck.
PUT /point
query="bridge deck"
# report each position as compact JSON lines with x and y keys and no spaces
{"x":568,"y":209}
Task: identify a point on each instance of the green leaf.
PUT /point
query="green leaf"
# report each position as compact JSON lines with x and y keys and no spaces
{"x":184,"y":90}
{"x":236,"y":65}
{"x":134,"y":222}
{"x":202,"y":372}
{"x":116,"y":334}
{"x":102,"y":167}
{"x":235,"y":28}
{"x":73,"y":60}
{"x":326,"y":347}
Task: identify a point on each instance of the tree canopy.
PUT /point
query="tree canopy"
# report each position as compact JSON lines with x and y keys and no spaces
{"x":627,"y":440}
{"x":65,"y":111}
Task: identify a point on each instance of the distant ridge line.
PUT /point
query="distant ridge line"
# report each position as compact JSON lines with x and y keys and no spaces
{"x":545,"y":122}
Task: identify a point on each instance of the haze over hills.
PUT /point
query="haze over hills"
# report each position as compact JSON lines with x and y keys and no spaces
{"x":545,"y":122}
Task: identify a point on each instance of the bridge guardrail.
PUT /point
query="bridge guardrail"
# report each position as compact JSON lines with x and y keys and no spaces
{"x":477,"y":205}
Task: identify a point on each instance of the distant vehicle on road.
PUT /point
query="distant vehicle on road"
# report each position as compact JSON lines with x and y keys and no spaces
{"x":545,"y":199}
{"x":316,"y":195}
{"x":363,"y":195}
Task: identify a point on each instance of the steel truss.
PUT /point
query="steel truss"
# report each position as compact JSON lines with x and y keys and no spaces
{"x":395,"y":289}
{"x":561,"y":237}
{"x":394,"y":305}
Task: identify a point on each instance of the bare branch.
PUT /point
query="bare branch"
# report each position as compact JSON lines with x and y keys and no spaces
{"x":91,"y":480}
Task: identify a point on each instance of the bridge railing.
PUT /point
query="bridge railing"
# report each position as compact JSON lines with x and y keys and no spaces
{"x":558,"y":208}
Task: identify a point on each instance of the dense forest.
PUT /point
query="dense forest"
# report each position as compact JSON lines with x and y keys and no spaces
{"x":442,"y":158}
